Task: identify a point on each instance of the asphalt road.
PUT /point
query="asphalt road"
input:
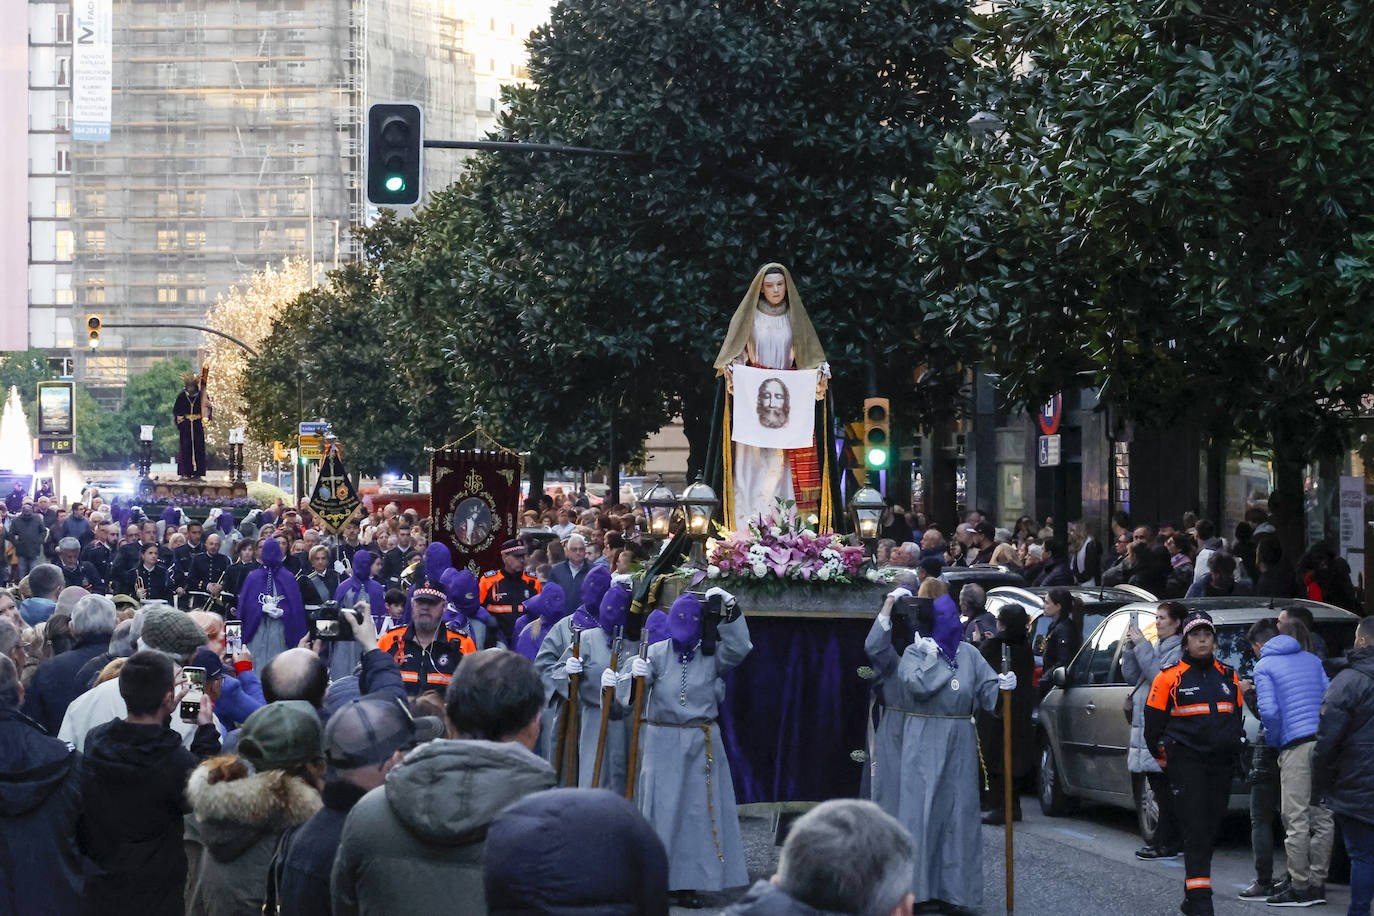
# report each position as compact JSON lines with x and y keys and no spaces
{"x":1083,"y":865}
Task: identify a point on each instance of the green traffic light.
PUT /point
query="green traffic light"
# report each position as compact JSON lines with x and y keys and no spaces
{"x":395,"y":183}
{"x":877,"y":457}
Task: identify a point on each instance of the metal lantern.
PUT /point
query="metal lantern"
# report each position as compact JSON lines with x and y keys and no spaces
{"x":658,"y":504}
{"x":866,"y":511}
{"x":699,"y":504}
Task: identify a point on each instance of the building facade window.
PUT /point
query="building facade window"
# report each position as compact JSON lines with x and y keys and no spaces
{"x":95,"y":239}
{"x":64,"y":28}
{"x":64,"y":245}
{"x":195,"y":238}
{"x":167,"y":240}
{"x":64,"y":71}
{"x":64,"y":161}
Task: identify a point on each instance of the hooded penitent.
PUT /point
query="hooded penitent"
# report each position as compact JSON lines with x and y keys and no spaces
{"x":684,"y":622}
{"x":225,"y":521}
{"x":438,"y":559}
{"x":460,"y":586}
{"x":949,"y":632}
{"x":544,"y":610}
{"x":271,"y":578}
{"x":361,"y":585}
{"x":615,"y":607}
{"x":593,"y":590}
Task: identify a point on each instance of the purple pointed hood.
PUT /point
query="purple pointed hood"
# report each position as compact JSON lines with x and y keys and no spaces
{"x":615,"y":607}
{"x":949,"y":632}
{"x":271,"y":578}
{"x":226,"y":521}
{"x":594,"y":589}
{"x":656,"y":626}
{"x":684,"y":622}
{"x":359,"y":584}
{"x":169,"y":515}
{"x":550,"y":605}
{"x":438,"y":560}
{"x":461,"y":587}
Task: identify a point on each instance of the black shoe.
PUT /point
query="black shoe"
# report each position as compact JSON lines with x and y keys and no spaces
{"x":1197,"y":906}
{"x":1283,"y":884}
{"x":995,"y":818}
{"x":1310,"y":896}
{"x":688,"y":899}
{"x":1155,"y":852}
{"x":1258,"y":890}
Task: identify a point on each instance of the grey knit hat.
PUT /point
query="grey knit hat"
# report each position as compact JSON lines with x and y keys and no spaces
{"x":171,"y":631}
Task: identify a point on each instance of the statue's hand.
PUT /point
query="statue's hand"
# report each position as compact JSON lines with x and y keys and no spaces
{"x":729,"y":380}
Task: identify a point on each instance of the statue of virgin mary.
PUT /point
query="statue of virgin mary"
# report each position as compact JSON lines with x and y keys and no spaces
{"x":771,"y":330}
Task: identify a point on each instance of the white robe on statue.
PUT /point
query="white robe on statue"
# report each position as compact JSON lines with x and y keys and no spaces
{"x":762,"y":476}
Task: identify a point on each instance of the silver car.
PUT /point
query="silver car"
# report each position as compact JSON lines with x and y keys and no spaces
{"x":1084,"y":731}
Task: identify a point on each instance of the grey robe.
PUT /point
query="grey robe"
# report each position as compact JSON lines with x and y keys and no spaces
{"x":1139,"y":665}
{"x":886,"y":753}
{"x":939,"y":793}
{"x":596,"y":655}
{"x":555,"y":645}
{"x":269,"y":641}
{"x":684,"y":789}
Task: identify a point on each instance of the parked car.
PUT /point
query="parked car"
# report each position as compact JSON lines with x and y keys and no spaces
{"x":1098,"y":602}
{"x":988,"y":575}
{"x":1084,"y":731}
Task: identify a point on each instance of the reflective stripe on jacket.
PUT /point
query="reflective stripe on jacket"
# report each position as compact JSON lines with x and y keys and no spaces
{"x":1195,"y":703}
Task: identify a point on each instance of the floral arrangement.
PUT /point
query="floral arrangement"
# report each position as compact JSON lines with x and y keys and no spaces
{"x":779,"y":548}
{"x":194,"y":502}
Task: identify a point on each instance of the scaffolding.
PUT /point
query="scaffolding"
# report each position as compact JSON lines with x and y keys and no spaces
{"x":234,"y":122}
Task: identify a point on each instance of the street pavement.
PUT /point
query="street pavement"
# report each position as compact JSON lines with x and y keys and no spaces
{"x":1083,"y":865}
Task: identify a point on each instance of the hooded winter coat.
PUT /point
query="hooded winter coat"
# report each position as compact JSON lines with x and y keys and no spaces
{"x":1140,"y":663}
{"x":767,"y":899}
{"x":239,"y":822}
{"x":1289,"y":685}
{"x":421,"y":837}
{"x":133,"y":777}
{"x":40,"y":800}
{"x":1343,"y":764}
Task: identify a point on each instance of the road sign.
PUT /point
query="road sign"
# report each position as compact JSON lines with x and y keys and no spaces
{"x":1048,"y":452}
{"x":312,"y":439}
{"x":1050,"y":415}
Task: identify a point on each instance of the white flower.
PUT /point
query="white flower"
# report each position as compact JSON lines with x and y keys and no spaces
{"x":713,"y":572}
{"x":871,"y":575}
{"x":824,"y":573}
{"x":775,"y":531}
{"x":760,"y":570}
{"x":829,"y":553}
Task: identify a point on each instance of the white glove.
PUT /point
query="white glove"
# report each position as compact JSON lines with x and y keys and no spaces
{"x":573,"y":665}
{"x":609,"y":679}
{"x":926,"y":646}
{"x":619,"y":579}
{"x":1006,"y":681}
{"x":272,"y":610}
{"x":725,"y":597}
{"x":639,"y":667}
{"x":339,"y":567}
{"x":900,"y":591}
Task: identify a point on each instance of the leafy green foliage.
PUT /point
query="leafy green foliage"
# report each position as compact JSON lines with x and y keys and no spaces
{"x":1179,"y":210}
{"x":148,"y":399}
{"x":545,"y":294}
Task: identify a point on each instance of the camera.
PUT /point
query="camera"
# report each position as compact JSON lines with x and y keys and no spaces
{"x":328,"y":622}
{"x":911,"y":618}
{"x":190,"y":704}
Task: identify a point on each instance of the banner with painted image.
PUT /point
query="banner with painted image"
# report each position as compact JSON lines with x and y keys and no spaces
{"x":773,"y":408}
{"x":474,"y":504}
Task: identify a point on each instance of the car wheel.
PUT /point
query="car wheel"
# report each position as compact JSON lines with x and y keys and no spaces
{"x":1146,"y":808}
{"x":1053,"y":800}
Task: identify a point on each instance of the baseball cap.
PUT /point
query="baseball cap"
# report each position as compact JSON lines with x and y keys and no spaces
{"x":368,"y":730}
{"x":280,"y":734}
{"x":1197,"y":619}
{"x":206,"y":658}
{"x":986,"y":529}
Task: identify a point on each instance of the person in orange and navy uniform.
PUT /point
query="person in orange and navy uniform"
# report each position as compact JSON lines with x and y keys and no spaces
{"x":503,"y":593}
{"x":1193,"y":728}
{"x":426,"y":652}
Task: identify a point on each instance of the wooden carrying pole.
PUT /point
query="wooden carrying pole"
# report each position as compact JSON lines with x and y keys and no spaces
{"x":607,"y":704}
{"x":632,"y":760}
{"x":566,"y":751}
{"x":1007,"y":776}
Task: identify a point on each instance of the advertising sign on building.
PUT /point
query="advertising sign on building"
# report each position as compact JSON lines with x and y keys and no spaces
{"x":92,"y":70}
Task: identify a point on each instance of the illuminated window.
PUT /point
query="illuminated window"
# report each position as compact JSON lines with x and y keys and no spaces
{"x":65,"y":243}
{"x":95,"y":239}
{"x":195,"y":238}
{"x":64,"y":296}
{"x":166,"y":203}
{"x":295,"y":239}
{"x":64,"y":207}
{"x":166,"y":290}
{"x":196,"y":294}
{"x":93,"y":203}
{"x":167,"y":240}
{"x":95,"y":294}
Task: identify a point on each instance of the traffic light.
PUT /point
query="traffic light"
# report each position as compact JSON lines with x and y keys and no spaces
{"x":395,"y":134}
{"x":93,"y":331}
{"x":877,"y":438}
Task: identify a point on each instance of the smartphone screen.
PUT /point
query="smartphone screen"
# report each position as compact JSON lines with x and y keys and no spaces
{"x":233,"y":635}
{"x":195,"y":677}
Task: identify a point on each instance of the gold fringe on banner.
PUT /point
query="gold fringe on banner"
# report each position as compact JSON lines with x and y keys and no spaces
{"x":727,"y":484}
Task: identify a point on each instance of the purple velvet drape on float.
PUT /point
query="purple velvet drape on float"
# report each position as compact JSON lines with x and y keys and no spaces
{"x":794,"y":710}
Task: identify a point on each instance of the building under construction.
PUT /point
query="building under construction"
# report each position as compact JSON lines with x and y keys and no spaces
{"x":236,"y":141}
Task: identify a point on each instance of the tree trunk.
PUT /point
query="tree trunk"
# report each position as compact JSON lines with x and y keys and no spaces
{"x":696,"y":426}
{"x":536,"y":470}
{"x":1287,"y":501}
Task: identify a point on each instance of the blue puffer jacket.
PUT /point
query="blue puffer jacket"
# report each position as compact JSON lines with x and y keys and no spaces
{"x":1289,"y":686}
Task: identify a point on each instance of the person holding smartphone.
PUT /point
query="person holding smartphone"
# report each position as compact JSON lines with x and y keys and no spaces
{"x":1141,"y":661}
